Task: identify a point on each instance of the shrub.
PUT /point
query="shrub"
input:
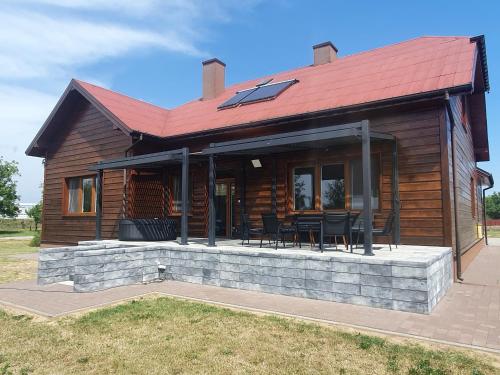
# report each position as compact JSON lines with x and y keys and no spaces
{"x":35,"y":241}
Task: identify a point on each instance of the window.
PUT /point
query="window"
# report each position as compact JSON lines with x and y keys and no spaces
{"x":332,"y":187}
{"x":263,"y":91}
{"x":177,"y":193}
{"x":303,"y":186}
{"x":80,"y":195}
{"x":357,"y":184}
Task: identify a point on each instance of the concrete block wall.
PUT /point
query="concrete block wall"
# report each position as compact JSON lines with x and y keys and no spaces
{"x":408,"y":285}
{"x":58,"y":264}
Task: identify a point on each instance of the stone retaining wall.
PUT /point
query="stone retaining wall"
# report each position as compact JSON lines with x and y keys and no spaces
{"x":408,"y":285}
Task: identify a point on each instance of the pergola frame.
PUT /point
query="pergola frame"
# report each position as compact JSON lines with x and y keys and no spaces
{"x":155,"y":160}
{"x":312,"y":138}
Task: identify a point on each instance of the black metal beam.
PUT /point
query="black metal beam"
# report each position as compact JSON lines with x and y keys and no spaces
{"x":184,"y":195}
{"x":98,"y":204}
{"x":140,"y":160}
{"x":367,"y":187}
{"x":351,"y":131}
{"x":211,"y":201}
{"x":396,"y":203}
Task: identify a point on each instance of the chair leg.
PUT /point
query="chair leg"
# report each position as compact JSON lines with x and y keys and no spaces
{"x":261,"y":238}
{"x":390,"y":248}
{"x":345,"y":242}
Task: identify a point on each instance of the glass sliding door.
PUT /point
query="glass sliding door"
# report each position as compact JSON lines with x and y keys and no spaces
{"x":224,"y":208}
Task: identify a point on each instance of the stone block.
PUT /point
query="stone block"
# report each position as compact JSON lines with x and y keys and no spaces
{"x":383,"y":281}
{"x":349,"y":278}
{"x":375,"y":269}
{"x":345,"y":267}
{"x":318,"y":265}
{"x":344,"y":288}
{"x":409,"y":272}
{"x":412,"y":284}
{"x":376,"y":291}
{"x":293,"y":283}
{"x":319,"y":285}
{"x":318,"y":275}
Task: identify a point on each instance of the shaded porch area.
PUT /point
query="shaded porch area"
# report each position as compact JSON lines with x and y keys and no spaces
{"x":224,"y":190}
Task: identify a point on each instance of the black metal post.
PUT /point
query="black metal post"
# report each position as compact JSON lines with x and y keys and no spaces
{"x":211,"y":200}
{"x":242,"y":196}
{"x":98,"y":204}
{"x":184,"y":196}
{"x":396,"y":203}
{"x":273,"y":188}
{"x":367,"y":187}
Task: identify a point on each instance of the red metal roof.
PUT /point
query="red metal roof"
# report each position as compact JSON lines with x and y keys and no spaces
{"x":416,"y":66}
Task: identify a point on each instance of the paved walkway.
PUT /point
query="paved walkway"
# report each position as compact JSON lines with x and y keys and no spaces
{"x":469,"y":315}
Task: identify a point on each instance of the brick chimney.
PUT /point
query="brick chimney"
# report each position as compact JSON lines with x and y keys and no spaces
{"x":213,"y":78}
{"x":324,"y":53}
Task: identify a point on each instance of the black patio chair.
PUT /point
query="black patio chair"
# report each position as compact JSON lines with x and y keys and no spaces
{"x":274,"y":229}
{"x":337,"y":225}
{"x":246,"y":229}
{"x":359,"y":229}
{"x":387,"y":230}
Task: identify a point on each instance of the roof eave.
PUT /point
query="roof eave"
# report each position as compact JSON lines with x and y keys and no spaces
{"x":481,"y":45}
{"x":436,"y":94}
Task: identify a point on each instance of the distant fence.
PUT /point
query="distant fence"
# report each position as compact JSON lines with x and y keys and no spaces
{"x":493,"y":222}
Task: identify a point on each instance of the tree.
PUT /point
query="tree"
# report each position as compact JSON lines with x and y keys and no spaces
{"x":35,"y":213}
{"x":493,"y":206}
{"x":8,"y":188}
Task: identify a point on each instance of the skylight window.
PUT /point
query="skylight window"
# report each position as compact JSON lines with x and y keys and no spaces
{"x":261,"y":92}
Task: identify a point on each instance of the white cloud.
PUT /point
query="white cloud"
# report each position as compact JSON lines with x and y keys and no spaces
{"x":46,"y":42}
{"x":35,"y":45}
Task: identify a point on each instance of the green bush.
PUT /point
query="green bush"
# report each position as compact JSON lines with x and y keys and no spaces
{"x":35,"y":241}
{"x":493,"y":206}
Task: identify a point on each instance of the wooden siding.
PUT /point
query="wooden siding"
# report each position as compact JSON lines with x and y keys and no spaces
{"x":465,"y":166}
{"x":425,"y":175}
{"x":84,"y":139}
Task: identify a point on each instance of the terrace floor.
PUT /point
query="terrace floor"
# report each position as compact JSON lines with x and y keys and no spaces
{"x":469,"y":314}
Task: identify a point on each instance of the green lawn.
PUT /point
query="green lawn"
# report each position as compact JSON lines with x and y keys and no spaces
{"x":170,"y":336}
{"x":16,"y":233}
{"x":493,"y":232}
{"x":13,"y":268}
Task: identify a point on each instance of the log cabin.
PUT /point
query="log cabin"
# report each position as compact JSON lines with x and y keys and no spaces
{"x":297,"y":142}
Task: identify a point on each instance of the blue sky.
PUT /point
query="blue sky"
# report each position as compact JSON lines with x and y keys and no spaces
{"x":152,"y":50}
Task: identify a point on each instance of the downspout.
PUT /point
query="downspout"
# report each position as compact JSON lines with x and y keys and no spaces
{"x":125,"y":192}
{"x":458,"y":252}
{"x":484,"y":214}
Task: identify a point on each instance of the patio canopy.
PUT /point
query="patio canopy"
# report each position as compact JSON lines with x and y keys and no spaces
{"x":318,"y":138}
{"x":154,"y":160}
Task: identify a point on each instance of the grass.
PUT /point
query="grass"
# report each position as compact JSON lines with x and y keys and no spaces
{"x":493,"y":232}
{"x":13,"y":268}
{"x":16,"y":228}
{"x":169,"y":336}
{"x":16,"y":233}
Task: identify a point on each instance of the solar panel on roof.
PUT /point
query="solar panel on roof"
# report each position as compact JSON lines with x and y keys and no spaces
{"x":237,"y":98}
{"x":267,"y":92}
{"x":259,"y":93}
